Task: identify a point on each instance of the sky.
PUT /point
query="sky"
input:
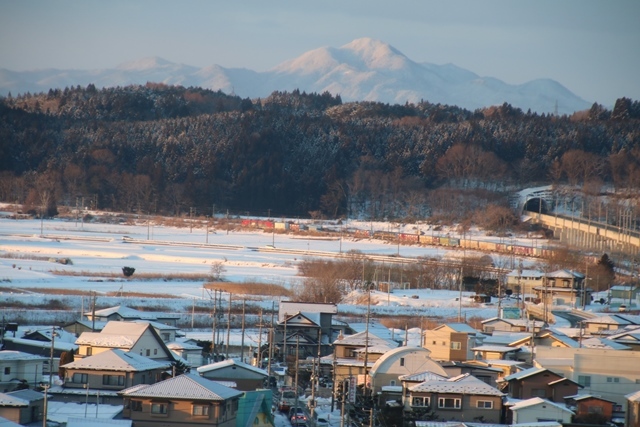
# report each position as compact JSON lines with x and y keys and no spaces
{"x":592,"y":47}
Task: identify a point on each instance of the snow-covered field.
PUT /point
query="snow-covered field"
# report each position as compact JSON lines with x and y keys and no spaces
{"x":30,"y":248}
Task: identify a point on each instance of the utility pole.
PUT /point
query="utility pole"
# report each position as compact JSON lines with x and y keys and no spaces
{"x":242,"y":343}
{"x":53,"y":340}
{"x":214,"y":326}
{"x":260,"y":342}
{"x":228,"y":328}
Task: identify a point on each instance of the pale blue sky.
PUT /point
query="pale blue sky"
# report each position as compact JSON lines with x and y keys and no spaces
{"x":590,"y":46}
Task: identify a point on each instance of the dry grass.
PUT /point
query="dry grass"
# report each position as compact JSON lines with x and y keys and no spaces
{"x":78,"y":292}
{"x":250,"y":288}
{"x":11,"y":255}
{"x":191,"y":277}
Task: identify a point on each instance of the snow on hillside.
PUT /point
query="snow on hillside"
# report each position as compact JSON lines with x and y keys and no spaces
{"x":364,"y":69}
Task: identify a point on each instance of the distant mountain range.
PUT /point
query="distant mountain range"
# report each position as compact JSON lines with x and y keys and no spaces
{"x":363,"y":70}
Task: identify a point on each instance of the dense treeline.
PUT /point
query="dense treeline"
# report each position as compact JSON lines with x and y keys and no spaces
{"x":157,"y":148}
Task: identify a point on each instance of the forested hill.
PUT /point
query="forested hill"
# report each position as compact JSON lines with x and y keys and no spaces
{"x":158,"y":148}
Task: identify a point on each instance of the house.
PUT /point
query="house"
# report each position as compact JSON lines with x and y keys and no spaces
{"x":126,"y":314}
{"x":79,"y":326}
{"x":17,"y":368}
{"x":493,"y":352}
{"x":399,"y":362}
{"x":107,"y":373}
{"x":498,"y":324}
{"x":602,"y":325}
{"x":452,"y":341}
{"x":190,"y":352}
{"x":561,"y":287}
{"x":22,"y":406}
{"x":538,"y":382}
{"x":352,"y":352}
{"x":245,"y":376}
{"x":629,"y":336}
{"x":590,"y":409}
{"x":459,"y":398}
{"x":141,"y":338}
{"x":536,"y":409}
{"x":254,"y":409}
{"x":625,"y":292}
{"x":487,"y":374}
{"x":609,"y":374}
{"x":41,"y":341}
{"x":185,"y":400}
{"x":311,"y":323}
{"x":632,"y":414}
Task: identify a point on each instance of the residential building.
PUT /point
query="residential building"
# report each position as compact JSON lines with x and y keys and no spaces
{"x":461,"y":398}
{"x":536,"y":410}
{"x":245,"y":376}
{"x":538,"y":382}
{"x":590,"y":409}
{"x":185,"y":400}
{"x":17,"y":368}
{"x":401,"y":361}
{"x":127,"y":314}
{"x":452,"y":341}
{"x":608,"y":323}
{"x":254,"y":409}
{"x":632,"y":413}
{"x":609,"y":374}
{"x":107,"y":373}
{"x":22,"y":406}
{"x":141,"y":338}
{"x":190,"y":352}
{"x":487,"y":374}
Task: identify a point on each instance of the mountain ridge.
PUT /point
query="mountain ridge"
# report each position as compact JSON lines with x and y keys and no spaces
{"x":363,"y":70}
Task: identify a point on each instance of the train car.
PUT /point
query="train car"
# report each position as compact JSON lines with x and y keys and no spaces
{"x":502,"y":247}
{"x":363,"y":234}
{"x":454,"y":241}
{"x":409,"y":237}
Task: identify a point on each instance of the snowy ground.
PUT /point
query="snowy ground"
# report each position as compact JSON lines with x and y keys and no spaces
{"x":246,"y":256}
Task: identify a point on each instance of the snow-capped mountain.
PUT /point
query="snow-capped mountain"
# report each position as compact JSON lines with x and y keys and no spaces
{"x":363,"y":70}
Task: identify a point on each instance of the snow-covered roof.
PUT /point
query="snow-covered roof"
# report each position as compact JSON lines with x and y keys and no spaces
{"x":8,"y":423}
{"x":187,"y":386}
{"x":596,"y":342}
{"x":526,"y":273}
{"x":20,"y":397}
{"x":496,"y":348}
{"x":115,"y":334}
{"x":565,"y":274}
{"x":181,"y":345}
{"x":117,"y":360}
{"x":159,"y":326}
{"x":230,"y":362}
{"x":362,"y":339}
{"x":524,"y":374}
{"x":96,"y":422}
{"x":459,"y":327}
{"x":6,"y":355}
{"x":130,"y":313}
{"x":537,"y":401}
{"x":422,"y":377}
{"x":375,"y":349}
{"x":464,"y":384}
{"x":57,"y":345}
{"x":633,"y":397}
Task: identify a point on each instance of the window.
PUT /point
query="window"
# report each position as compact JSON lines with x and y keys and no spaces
{"x":159,"y":408}
{"x":136,"y":405}
{"x":433,"y":342}
{"x":444,"y":343}
{"x":455,"y":345}
{"x":200,"y":410}
{"x":392,"y":382}
{"x":7,"y":370}
{"x":484,"y":404}
{"x":448,"y":403}
{"x":148,"y":352}
{"x":155,"y":351}
{"x":113,"y":380}
{"x":256,"y":421}
{"x":89,"y":351}
{"x":402,"y":361}
{"x":584,"y":380}
{"x":80,"y":378}
{"x":420,"y":401}
{"x":613,"y":379}
{"x":595,"y":409}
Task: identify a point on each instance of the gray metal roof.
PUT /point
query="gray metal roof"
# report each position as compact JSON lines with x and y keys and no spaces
{"x":187,"y":386}
{"x":463,"y":384}
{"x":117,"y":360}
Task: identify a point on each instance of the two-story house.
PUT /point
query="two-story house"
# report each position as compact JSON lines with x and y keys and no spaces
{"x":185,"y":400}
{"x":461,"y":398}
{"x":107,"y":373}
{"x":141,"y":338}
{"x":17,"y":367}
{"x":452,"y":341}
{"x":538,"y":382}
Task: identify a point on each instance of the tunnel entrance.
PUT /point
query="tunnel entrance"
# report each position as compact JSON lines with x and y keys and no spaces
{"x":536,"y":205}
